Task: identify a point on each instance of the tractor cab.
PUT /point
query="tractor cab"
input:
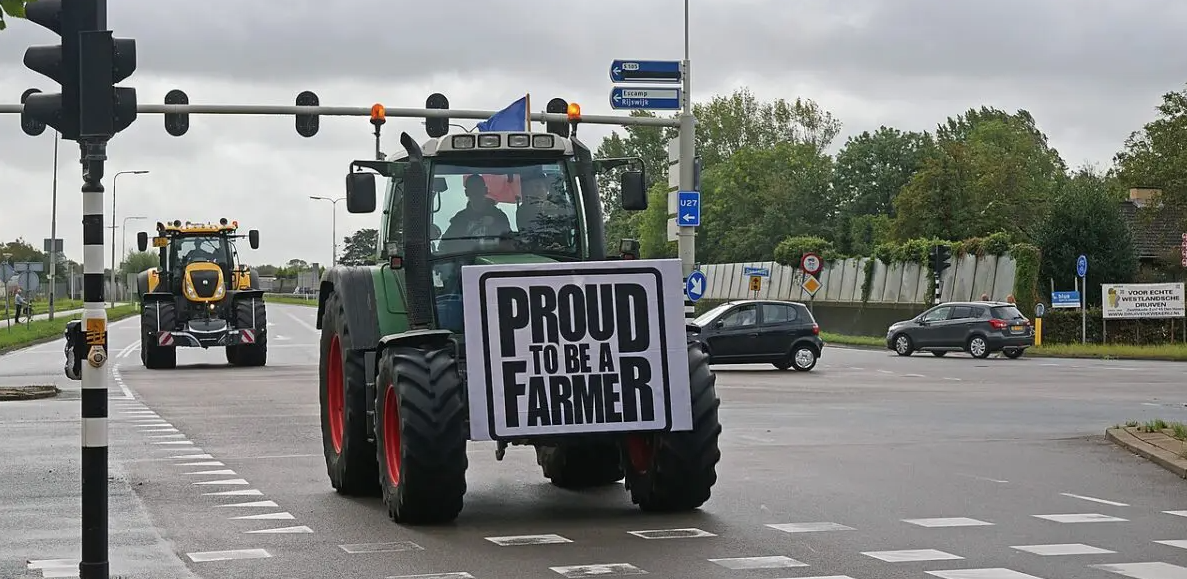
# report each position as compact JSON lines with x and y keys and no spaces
{"x":485,"y":198}
{"x":198,"y":261}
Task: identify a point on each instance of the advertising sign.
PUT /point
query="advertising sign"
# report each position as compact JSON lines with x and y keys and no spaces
{"x":1142,"y":301}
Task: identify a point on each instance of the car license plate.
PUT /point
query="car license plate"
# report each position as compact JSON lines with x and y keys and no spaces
{"x":1015,"y":328}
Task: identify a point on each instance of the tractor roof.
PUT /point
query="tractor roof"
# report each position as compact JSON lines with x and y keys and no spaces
{"x":177,"y":228}
{"x":490,"y":142}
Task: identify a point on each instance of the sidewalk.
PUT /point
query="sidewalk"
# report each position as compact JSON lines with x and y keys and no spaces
{"x":58,"y":314}
{"x":1159,"y":447}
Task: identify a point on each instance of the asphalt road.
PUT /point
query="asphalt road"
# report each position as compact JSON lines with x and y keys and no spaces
{"x":870,"y":467}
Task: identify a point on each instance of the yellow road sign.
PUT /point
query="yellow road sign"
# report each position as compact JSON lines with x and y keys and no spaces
{"x":755,"y":283}
{"x":811,"y":284}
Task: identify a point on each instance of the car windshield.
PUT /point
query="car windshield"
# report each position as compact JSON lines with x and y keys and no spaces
{"x":1007,"y":313}
{"x":708,"y":316}
{"x":199,"y":248}
{"x":528,"y":207}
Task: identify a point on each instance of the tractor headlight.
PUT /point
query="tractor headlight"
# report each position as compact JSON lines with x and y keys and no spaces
{"x":518,"y":141}
{"x":463,"y":141}
{"x":543,"y":141}
{"x":488,"y":141}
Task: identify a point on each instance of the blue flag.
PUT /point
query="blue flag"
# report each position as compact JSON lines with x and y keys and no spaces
{"x":512,"y":118}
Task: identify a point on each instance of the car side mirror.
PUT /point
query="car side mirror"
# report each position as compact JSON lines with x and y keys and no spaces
{"x":253,"y":238}
{"x":633,"y":190}
{"x":360,"y":192}
{"x":719,"y":324}
{"x":142,"y":241}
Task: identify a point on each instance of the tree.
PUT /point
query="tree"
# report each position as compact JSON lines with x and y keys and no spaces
{"x":1155,"y":157}
{"x":21,"y":250}
{"x":139,"y":261}
{"x":1085,"y":218}
{"x":361,"y":248}
{"x":647,"y":143}
{"x":13,"y":8}
{"x":727,"y":124}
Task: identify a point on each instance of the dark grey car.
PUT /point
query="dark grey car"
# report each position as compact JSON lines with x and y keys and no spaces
{"x":778,"y":332}
{"x":979,"y":328}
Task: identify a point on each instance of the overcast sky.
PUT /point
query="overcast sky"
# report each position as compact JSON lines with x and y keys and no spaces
{"x":1090,"y":71}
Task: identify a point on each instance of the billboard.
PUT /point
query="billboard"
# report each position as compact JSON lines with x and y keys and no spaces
{"x":1142,"y":301}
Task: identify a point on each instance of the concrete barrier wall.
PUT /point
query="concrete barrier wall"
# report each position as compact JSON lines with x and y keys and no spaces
{"x":897,"y":284}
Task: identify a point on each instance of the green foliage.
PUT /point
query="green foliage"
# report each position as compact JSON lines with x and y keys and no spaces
{"x":867,"y":279}
{"x":1062,"y":326}
{"x":360,"y":248}
{"x":791,"y":250}
{"x":1026,"y":274}
{"x":139,"y":261}
{"x":1155,"y":157}
{"x":653,"y":225}
{"x":13,"y":8}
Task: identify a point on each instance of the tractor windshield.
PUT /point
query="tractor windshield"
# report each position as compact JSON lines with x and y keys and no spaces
{"x":527,"y":206}
{"x":185,"y":250}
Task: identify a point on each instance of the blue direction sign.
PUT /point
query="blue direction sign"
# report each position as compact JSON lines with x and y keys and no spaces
{"x":694,"y":287}
{"x":688,"y":208}
{"x":656,"y":97}
{"x":1065,"y":299}
{"x":622,"y":71}
{"x":1082,"y":266}
{"x":759,"y":271}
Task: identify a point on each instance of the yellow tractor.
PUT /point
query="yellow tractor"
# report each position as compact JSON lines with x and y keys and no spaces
{"x":200,"y":295}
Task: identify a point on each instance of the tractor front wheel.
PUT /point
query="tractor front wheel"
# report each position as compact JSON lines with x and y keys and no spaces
{"x":676,"y":471}
{"x":350,"y":457}
{"x":420,"y":427}
{"x":154,"y":318}
{"x":250,"y":314}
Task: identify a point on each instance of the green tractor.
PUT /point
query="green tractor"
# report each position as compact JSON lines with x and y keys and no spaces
{"x":396,"y":410}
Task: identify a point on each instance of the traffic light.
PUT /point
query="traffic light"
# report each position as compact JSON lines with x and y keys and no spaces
{"x":558,"y":128}
{"x":30,"y":125}
{"x":307,"y":125}
{"x":105,"y":109}
{"x":437,"y":127}
{"x":177,"y":124}
{"x":941,"y":256}
{"x":59,"y":62}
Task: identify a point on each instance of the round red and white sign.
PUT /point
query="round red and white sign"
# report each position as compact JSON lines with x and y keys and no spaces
{"x":811,"y":263}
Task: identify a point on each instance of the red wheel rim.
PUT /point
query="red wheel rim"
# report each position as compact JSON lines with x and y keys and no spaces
{"x":335,"y":393}
{"x":640,"y":451}
{"x":391,"y":434}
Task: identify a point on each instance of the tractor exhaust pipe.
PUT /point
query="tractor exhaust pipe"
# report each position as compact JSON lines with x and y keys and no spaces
{"x":416,"y":238}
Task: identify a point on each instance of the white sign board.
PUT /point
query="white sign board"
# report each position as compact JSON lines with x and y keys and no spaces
{"x":567,"y":348}
{"x":1142,"y":301}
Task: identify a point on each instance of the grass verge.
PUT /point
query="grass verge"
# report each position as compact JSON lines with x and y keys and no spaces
{"x":60,"y":305}
{"x":295,"y":301}
{"x":48,"y":330}
{"x":1171,"y":352}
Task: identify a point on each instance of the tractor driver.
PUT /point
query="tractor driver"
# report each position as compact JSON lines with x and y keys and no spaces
{"x":479,"y":221}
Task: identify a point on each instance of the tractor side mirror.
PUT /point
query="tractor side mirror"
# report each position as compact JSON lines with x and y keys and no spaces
{"x":634,"y":191}
{"x":253,"y":238}
{"x":142,"y":241}
{"x":360,"y":192}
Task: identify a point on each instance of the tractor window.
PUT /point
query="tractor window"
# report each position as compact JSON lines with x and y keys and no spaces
{"x":212,"y":248}
{"x":392,"y":242}
{"x":529,"y":207}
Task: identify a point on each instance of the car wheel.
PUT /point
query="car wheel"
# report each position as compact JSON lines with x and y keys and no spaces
{"x":939,"y":353}
{"x":1013,"y":352}
{"x":784,"y":364}
{"x":978,"y":347}
{"x":803,"y":358}
{"x":902,"y":345}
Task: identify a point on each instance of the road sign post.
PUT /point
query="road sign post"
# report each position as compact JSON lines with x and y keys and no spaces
{"x":1082,"y":272}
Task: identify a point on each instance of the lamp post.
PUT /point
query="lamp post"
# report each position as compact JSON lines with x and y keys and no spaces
{"x":333,"y":224}
{"x":114,"y":182}
{"x":124,"y":234}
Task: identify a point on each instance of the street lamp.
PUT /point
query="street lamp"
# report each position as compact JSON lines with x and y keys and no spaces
{"x":334,"y":224}
{"x":114,"y":181}
{"x":124,"y":234}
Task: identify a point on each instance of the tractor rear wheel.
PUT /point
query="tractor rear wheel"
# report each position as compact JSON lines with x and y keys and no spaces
{"x":581,"y":465}
{"x":156,"y":317}
{"x":420,"y":426}
{"x":250,"y":314}
{"x":676,"y":471}
{"x":350,"y":457}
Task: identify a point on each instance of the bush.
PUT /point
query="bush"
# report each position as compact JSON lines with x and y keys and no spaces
{"x":792,"y":249}
{"x":1062,"y":326}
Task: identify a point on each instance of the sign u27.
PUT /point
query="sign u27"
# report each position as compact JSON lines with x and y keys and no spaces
{"x":567,"y":348}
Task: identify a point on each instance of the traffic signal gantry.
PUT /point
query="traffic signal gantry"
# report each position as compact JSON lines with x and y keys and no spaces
{"x":90,"y":109}
{"x":940,"y":256}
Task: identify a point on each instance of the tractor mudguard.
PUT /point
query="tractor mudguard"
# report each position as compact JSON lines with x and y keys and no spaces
{"x":416,"y":339}
{"x":156,"y":297}
{"x":247,"y":293}
{"x":357,"y":285}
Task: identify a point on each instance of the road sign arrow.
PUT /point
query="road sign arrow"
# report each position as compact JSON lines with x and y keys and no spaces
{"x":688,"y":217}
{"x":696,"y":286}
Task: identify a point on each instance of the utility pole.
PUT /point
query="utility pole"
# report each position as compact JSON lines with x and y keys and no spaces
{"x":114,"y":180}
{"x":333,"y":224}
{"x":53,"y":234}
{"x":687,"y":236}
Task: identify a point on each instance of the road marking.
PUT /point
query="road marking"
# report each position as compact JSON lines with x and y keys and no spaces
{"x":138,"y":412}
{"x":1049,"y":364}
{"x":953,"y":379}
{"x":912,"y":555}
{"x":1118,"y":368}
{"x":281,"y":516}
{"x":307,"y":325}
{"x":1063,"y":549}
{"x":527,"y":540}
{"x":885,"y":372}
{"x":191,"y":456}
{"x":459,"y":575}
{"x":1145,"y":570}
{"x":690,"y":533}
{"x":809,"y":527}
{"x":168,"y":435}
{"x":206,"y":556}
{"x":1180,"y":543}
{"x":1095,"y":500}
{"x":155,"y":428}
{"x":993,"y":573}
{"x":947,"y":522}
{"x":243,"y":493}
{"x":119,"y":381}
{"x":53,"y":567}
{"x":360,"y":548}
{"x":914,"y":376}
{"x":1176,"y":513}
{"x":175,"y":442}
{"x":982,"y":478}
{"x":772,"y":562}
{"x":202,"y":463}
{"x":602,"y":570}
{"x":219,"y":472}
{"x":1081,"y":518}
{"x":250,"y":504}
{"x":282,"y":530}
{"x":157,"y":420}
{"x":228,"y":481}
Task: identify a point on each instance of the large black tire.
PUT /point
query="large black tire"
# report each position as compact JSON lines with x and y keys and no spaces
{"x":250,"y":314}
{"x":676,"y":471}
{"x":420,"y":429}
{"x":578,"y":466}
{"x":154,"y":317}
{"x":350,"y":462}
